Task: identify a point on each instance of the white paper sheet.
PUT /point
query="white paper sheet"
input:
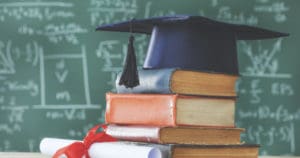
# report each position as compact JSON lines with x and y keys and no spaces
{"x":49,"y":146}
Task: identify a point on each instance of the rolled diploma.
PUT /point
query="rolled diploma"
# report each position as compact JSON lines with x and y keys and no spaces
{"x":49,"y":146}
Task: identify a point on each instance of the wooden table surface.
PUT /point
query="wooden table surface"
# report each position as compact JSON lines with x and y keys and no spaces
{"x":38,"y":155}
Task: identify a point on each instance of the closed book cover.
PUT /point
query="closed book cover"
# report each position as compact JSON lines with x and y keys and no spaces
{"x":176,"y":135}
{"x":199,"y":151}
{"x":169,"y":110}
{"x":214,"y":151}
{"x":180,"y":81}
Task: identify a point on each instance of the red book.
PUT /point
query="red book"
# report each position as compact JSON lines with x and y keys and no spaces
{"x":169,"y":110}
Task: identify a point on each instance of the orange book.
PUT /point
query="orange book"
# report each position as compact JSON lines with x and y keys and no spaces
{"x":169,"y":110}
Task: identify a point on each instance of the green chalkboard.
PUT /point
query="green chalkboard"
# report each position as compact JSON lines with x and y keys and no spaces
{"x":55,"y":69}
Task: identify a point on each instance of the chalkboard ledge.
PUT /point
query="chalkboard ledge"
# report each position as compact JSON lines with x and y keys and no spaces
{"x":22,"y":155}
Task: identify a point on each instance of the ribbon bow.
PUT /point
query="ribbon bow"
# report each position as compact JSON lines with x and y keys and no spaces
{"x":80,"y":149}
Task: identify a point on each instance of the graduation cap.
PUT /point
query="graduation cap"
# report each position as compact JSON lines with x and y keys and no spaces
{"x":187,"y":42}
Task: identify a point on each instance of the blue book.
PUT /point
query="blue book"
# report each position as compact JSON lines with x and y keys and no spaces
{"x":179,"y":81}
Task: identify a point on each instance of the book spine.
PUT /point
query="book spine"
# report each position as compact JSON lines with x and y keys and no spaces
{"x":134,"y":133}
{"x":151,"y":81}
{"x":141,"y":109}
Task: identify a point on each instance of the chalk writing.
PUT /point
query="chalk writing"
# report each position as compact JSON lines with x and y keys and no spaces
{"x":149,"y":11}
{"x":108,"y":11}
{"x":269,"y":136}
{"x":6,"y":62}
{"x":164,"y":13}
{"x":72,"y":114}
{"x":255,"y":91}
{"x":263,"y":61}
{"x":263,"y":112}
{"x":264,"y":82}
{"x":282,"y":89}
{"x":12,"y":56}
{"x":214,"y":3}
{"x":239,"y":88}
{"x":61,"y":76}
{"x":60,"y":64}
{"x":278,"y":9}
{"x":16,"y":116}
{"x":80,"y":133}
{"x":64,"y":106}
{"x":29,"y":86}
{"x":112,"y":53}
{"x":9,"y":54}
{"x":64,"y":95}
{"x":10,"y":129}
{"x":106,"y":52}
{"x":74,"y":133}
{"x":68,"y":32}
{"x":32,"y":144}
{"x":226,"y":14}
{"x":7,"y":107}
{"x":34,"y":10}
{"x":61,"y":72}
{"x":55,"y":32}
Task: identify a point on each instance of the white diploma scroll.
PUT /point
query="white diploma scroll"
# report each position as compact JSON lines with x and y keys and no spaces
{"x":49,"y":146}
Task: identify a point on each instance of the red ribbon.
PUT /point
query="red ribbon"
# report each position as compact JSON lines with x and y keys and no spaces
{"x":80,"y":149}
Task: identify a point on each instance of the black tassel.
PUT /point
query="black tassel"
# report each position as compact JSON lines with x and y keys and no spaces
{"x":130,"y":77}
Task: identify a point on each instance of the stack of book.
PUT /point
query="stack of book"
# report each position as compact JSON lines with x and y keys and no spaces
{"x":190,"y":112}
{"x":182,"y":113}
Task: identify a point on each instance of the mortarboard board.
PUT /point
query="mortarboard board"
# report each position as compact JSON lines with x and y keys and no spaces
{"x":191,"y":42}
